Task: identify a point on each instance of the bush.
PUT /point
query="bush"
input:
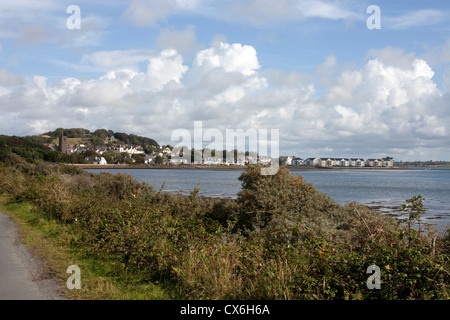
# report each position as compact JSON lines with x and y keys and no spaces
{"x":121,"y":186}
{"x":280,"y":239}
{"x":286,"y":208}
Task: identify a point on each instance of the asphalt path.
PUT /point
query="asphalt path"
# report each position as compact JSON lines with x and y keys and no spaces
{"x":22,"y":277}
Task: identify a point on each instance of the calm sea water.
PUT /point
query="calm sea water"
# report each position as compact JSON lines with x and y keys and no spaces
{"x":385,"y":190}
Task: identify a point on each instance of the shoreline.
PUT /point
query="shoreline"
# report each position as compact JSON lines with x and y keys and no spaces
{"x":221,"y":168}
{"x":389,"y":209}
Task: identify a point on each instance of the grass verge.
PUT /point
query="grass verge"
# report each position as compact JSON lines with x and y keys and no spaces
{"x":51,"y":242}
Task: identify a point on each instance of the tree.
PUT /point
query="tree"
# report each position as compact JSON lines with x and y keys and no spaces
{"x":159,"y":160}
{"x":139,"y":158}
{"x":51,"y":156}
{"x":97,"y":141}
{"x":119,"y":158}
{"x":90,"y":153}
{"x":149,"y":149}
{"x":108,"y":157}
{"x":101,"y":133}
{"x":121,"y":136}
{"x":5,"y":150}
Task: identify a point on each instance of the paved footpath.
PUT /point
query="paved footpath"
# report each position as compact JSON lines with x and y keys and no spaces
{"x":21,"y":275}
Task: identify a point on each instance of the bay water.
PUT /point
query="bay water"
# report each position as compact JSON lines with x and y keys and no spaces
{"x":384,"y":190}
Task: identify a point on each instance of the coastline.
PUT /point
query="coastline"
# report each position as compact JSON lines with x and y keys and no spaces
{"x":220,"y":168}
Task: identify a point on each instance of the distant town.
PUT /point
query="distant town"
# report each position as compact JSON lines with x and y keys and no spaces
{"x":387,"y":162}
{"x":110,"y":153}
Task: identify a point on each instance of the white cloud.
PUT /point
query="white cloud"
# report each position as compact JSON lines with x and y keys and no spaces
{"x":44,"y":22}
{"x":8,"y":79}
{"x":417,"y":18}
{"x":439,"y":54}
{"x":392,"y":56}
{"x":149,"y":12}
{"x":231,"y":57}
{"x":256,"y":12}
{"x":447,"y":80}
{"x":11,"y":8}
{"x":116,"y":59}
{"x":189,"y":4}
{"x":388,"y":106}
{"x":328,"y":65}
{"x":265,"y":12}
{"x":33,"y":33}
{"x":167,"y":66}
{"x":184,"y":41}
{"x":324,"y":9}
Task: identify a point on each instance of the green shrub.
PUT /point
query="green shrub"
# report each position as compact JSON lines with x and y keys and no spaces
{"x":118,"y":185}
{"x":284,"y":207}
{"x":280,"y":239}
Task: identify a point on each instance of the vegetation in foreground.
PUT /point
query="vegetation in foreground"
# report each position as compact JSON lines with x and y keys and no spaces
{"x":281,"y":239}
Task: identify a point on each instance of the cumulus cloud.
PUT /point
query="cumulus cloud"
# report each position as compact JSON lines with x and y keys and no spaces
{"x":231,"y":58}
{"x":392,"y":56}
{"x":388,"y":106}
{"x":8,"y":79}
{"x":439,"y":54}
{"x":447,"y":80}
{"x":116,"y":59}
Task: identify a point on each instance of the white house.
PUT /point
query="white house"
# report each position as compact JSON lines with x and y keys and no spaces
{"x":96,"y":160}
{"x":298,"y":161}
{"x":356,"y":162}
{"x":149,"y":159}
{"x":388,"y":162}
{"x":177,"y":161}
{"x":165,"y":150}
{"x":212,"y":161}
{"x":342,"y":162}
{"x":312,"y":162}
{"x":370,"y":162}
{"x":284,"y":160}
{"x":130,"y":150}
{"x":327,"y":162}
{"x":378,"y":163}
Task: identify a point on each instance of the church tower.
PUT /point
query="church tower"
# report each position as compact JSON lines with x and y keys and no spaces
{"x":63,"y":143}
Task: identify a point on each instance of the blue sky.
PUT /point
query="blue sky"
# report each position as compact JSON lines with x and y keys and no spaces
{"x":311,"y":69}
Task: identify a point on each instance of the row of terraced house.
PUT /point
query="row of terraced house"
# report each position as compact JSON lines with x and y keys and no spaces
{"x":386,"y":162}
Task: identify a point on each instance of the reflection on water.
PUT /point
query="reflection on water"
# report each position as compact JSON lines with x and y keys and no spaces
{"x":385,"y":190}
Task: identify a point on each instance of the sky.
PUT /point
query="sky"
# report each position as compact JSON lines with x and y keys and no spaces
{"x":336,"y":79}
